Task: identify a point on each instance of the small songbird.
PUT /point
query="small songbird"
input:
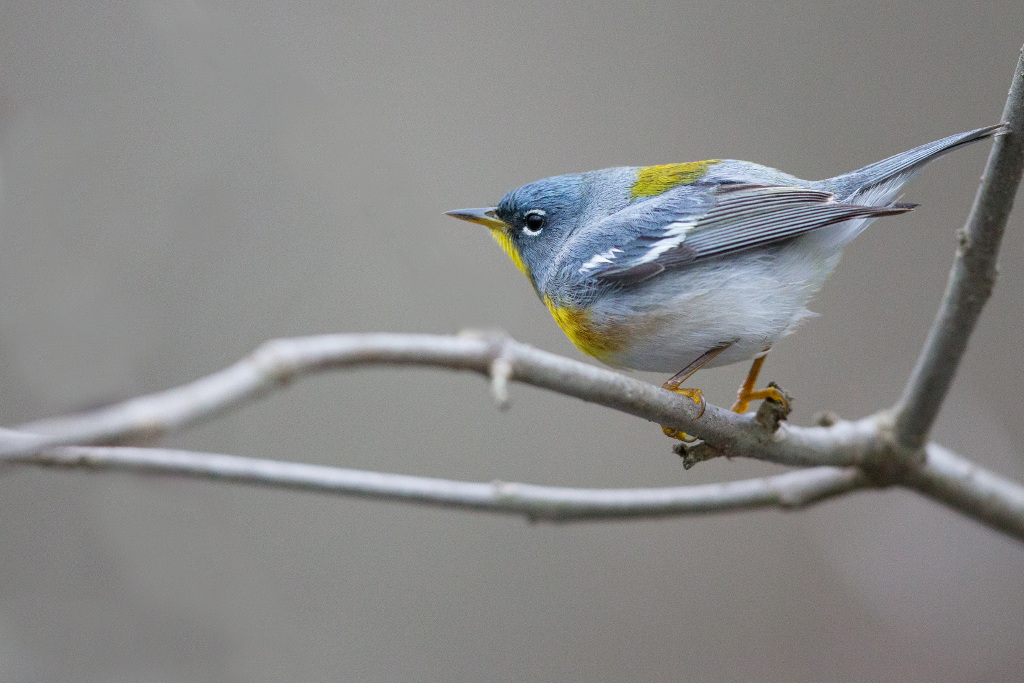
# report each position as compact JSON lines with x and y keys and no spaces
{"x":692,"y":265}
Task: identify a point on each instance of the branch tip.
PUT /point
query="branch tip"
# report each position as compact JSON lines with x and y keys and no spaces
{"x":693,"y":453}
{"x":825,"y":418}
{"x":500,"y":371}
{"x":771,"y":413}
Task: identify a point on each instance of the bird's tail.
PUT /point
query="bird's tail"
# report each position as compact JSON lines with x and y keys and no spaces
{"x":878,"y":183}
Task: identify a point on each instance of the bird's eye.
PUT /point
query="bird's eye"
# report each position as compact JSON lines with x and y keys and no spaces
{"x":534,"y":222}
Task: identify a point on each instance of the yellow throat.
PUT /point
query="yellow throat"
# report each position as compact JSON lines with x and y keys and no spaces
{"x":505,"y":242}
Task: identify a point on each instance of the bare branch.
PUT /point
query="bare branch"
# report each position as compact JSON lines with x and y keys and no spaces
{"x":276,"y":363}
{"x":970,"y":281}
{"x":972,"y":490}
{"x":885,"y":448}
{"x":547,"y":503}
{"x":946,"y":477}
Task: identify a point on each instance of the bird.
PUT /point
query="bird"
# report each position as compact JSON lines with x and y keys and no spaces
{"x":683,"y":266}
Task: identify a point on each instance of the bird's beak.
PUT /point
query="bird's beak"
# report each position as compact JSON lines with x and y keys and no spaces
{"x":485,"y":216}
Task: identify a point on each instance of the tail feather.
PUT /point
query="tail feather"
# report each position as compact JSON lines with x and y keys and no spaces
{"x":879,"y":182}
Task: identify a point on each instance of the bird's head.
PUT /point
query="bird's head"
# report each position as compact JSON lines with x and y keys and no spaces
{"x":531,"y":222}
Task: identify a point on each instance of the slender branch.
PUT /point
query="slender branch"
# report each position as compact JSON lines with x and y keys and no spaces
{"x":976,"y":492}
{"x":547,"y":503}
{"x":970,"y":281}
{"x":946,"y":477}
{"x":277,"y":363}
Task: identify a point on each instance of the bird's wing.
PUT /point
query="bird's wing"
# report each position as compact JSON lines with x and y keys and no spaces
{"x":678,"y":232}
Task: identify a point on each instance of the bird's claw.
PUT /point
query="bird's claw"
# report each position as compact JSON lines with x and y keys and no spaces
{"x":695,"y":395}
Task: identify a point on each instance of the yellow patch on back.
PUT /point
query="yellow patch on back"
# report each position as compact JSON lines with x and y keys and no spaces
{"x":502,"y":238}
{"x":578,"y":325}
{"x":653,"y":180}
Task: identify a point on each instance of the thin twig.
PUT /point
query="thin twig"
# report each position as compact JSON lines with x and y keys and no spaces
{"x":970,"y":281}
{"x":972,"y":490}
{"x":946,"y":477}
{"x":548,"y":503}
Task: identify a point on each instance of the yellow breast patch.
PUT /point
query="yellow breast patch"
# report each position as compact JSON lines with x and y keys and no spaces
{"x":653,"y":180}
{"x":599,"y":341}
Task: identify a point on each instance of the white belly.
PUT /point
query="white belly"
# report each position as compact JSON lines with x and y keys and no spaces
{"x":749,"y":301}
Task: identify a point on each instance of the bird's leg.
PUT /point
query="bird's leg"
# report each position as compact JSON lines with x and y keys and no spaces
{"x":696,"y":395}
{"x":746,"y":393}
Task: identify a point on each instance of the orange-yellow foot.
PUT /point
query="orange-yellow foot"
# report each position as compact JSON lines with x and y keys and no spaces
{"x":744,"y":397}
{"x":697,"y":396}
{"x":746,"y":394}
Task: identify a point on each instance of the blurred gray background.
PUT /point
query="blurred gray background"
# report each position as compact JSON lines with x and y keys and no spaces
{"x":180,"y":181}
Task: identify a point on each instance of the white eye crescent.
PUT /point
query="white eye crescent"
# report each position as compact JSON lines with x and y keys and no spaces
{"x":535,"y":220}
